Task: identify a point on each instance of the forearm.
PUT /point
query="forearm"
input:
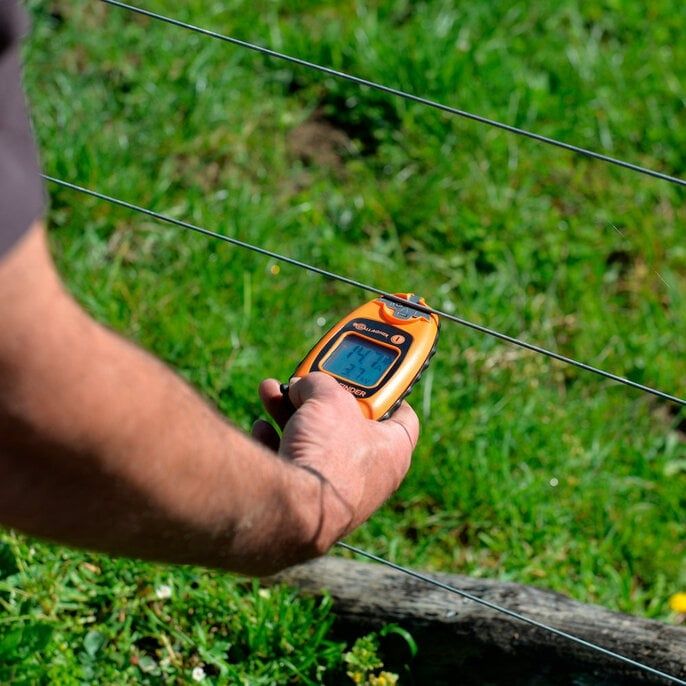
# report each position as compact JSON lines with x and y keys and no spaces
{"x":101,"y":446}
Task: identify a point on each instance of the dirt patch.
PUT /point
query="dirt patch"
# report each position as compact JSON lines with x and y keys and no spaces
{"x":672,"y":415}
{"x":621,"y":260}
{"x":317,"y":142}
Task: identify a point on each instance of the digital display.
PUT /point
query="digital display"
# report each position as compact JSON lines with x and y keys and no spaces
{"x":360,"y":360}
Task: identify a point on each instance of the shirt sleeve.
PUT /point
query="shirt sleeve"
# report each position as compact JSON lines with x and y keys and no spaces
{"x":21,"y":188}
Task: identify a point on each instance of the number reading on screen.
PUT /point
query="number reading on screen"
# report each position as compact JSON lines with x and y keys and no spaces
{"x":360,"y":361}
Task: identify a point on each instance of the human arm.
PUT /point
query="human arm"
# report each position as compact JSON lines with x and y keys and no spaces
{"x":103,"y":447}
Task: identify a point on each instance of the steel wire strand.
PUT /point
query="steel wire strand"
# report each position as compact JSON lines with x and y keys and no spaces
{"x":511,"y":613}
{"x":586,"y":152}
{"x":485,"y":330}
{"x":417,"y":575}
{"x":372,"y":289}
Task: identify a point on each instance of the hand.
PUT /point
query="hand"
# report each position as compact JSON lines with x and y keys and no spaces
{"x":360,"y":462}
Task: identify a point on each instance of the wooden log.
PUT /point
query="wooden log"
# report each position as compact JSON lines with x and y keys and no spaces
{"x":458,"y":634}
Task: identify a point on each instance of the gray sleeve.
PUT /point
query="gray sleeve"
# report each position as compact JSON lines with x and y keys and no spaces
{"x":21,"y":188}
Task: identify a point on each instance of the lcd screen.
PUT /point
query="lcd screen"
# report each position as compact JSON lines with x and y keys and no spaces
{"x":360,"y":360}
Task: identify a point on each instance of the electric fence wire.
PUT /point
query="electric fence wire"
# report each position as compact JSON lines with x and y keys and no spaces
{"x":352,"y":282}
{"x":372,"y":289}
{"x":450,"y":317}
{"x":586,"y":152}
{"x":510,"y":613}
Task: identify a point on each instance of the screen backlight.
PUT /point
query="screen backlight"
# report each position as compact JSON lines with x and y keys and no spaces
{"x":360,"y":360}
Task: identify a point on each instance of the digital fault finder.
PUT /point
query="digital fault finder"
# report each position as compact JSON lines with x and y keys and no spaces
{"x":378,"y":352}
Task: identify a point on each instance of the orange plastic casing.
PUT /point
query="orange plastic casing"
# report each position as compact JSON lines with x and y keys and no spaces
{"x":410,"y":333}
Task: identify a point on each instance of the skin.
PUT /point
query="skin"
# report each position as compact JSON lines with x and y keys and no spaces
{"x":105,"y":448}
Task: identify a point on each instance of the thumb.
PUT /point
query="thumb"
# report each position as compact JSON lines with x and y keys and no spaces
{"x":318,"y":386}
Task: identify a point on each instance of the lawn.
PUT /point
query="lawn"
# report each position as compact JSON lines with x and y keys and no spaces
{"x":527,"y":470}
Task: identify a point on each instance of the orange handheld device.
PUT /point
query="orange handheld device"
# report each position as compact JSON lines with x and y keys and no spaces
{"x":377,"y":353}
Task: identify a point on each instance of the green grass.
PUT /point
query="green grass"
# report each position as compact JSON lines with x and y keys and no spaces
{"x":527,"y":470}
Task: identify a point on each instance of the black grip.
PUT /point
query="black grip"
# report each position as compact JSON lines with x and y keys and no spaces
{"x":284,"y":388}
{"x":408,"y":390}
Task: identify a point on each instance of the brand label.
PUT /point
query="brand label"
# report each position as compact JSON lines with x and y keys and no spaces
{"x":363,"y":327}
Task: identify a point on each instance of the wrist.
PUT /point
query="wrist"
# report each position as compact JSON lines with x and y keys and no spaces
{"x":323,"y":515}
{"x":299,"y":517}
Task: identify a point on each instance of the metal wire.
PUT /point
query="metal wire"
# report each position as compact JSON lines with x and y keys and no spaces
{"x":373,"y":289}
{"x":358,"y":284}
{"x":358,"y":551}
{"x":511,"y":613}
{"x":403,"y":94}
{"x":459,"y":320}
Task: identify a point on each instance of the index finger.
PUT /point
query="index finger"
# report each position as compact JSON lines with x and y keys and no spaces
{"x":278,"y":406}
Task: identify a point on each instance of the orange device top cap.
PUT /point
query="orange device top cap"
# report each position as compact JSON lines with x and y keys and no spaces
{"x":399,"y":313}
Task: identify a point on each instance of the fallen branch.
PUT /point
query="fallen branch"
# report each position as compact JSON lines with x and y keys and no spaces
{"x":453,"y":632}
